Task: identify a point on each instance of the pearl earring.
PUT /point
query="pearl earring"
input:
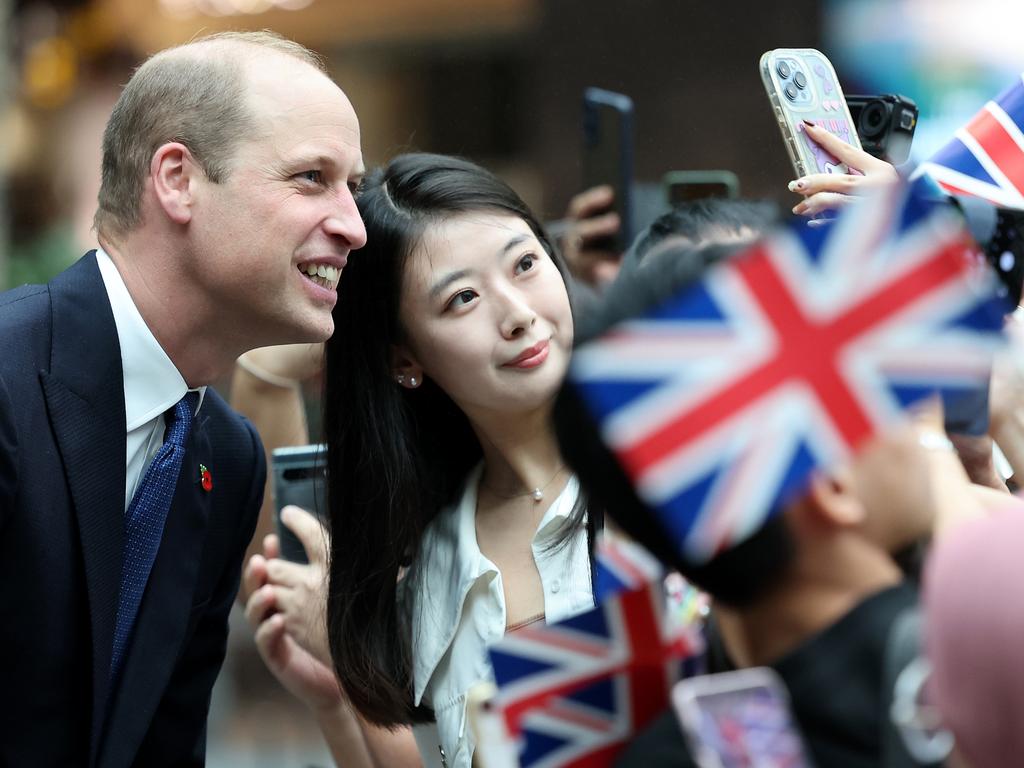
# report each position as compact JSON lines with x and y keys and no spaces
{"x":400,"y":378}
{"x":413,"y":382}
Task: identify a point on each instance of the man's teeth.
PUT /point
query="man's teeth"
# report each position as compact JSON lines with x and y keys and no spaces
{"x":322,"y":274}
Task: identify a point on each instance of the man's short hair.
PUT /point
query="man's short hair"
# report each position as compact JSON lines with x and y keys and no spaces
{"x":186,"y":95}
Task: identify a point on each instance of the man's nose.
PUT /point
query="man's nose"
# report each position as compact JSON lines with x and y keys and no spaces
{"x":346,"y":223}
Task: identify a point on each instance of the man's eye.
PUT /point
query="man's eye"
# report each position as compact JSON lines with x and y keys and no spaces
{"x":355,"y":187}
{"x":314,"y":177}
{"x":525,"y":263}
{"x":461,"y":299}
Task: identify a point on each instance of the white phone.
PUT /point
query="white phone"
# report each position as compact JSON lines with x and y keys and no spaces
{"x":739,"y":719}
{"x":802,"y":85}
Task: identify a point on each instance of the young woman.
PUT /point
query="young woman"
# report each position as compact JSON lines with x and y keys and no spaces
{"x":453,"y":516}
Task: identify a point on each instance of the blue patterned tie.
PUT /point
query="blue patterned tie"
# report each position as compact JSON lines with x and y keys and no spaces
{"x":144,"y":522}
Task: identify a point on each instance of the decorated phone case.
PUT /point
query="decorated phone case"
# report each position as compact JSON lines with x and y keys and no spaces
{"x":739,"y":719}
{"x":802,"y":85}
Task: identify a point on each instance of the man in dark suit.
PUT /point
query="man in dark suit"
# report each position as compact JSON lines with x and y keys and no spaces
{"x":129,"y":491}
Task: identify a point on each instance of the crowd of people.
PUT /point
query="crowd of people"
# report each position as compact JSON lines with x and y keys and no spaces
{"x":467,"y":490}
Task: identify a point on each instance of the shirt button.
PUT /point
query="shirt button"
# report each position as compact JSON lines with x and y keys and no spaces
{"x":556,"y":585}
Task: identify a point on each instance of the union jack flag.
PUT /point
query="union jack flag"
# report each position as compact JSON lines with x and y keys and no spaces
{"x":986,"y":157}
{"x":719,"y":402}
{"x":620,"y":565}
{"x":572,"y":694}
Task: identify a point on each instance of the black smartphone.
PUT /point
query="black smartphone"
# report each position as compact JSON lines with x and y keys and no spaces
{"x":608,"y":157}
{"x":687,"y":186}
{"x":300,"y":478}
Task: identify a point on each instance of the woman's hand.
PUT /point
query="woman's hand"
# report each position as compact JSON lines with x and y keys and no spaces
{"x":829,"y":191}
{"x":287,"y":610}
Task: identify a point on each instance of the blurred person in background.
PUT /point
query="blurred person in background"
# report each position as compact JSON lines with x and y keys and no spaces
{"x":815,"y":592}
{"x":128,"y":489}
{"x":974,"y":620}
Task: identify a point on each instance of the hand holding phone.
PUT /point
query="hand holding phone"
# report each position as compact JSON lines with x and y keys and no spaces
{"x":802,"y":87}
{"x":829,"y":191}
{"x":608,"y":158}
{"x":300,"y":480}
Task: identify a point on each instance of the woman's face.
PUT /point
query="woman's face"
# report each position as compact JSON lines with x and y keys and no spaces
{"x":486,"y":314}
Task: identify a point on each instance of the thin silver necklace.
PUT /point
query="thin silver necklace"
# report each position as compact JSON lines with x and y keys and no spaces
{"x":536,"y":493}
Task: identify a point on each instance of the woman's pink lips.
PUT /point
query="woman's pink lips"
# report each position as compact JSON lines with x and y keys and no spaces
{"x":531,"y":358}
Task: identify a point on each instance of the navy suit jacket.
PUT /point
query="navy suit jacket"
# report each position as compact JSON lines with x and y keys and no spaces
{"x":62,"y":480}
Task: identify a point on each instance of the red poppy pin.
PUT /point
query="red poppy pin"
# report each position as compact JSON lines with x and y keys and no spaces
{"x":206,"y":478}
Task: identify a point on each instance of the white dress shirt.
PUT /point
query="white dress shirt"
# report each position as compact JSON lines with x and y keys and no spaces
{"x":458,"y":610}
{"x":151,"y":382}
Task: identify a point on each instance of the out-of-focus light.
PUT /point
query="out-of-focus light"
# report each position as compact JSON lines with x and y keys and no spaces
{"x":50,"y":73}
{"x":250,"y":6}
{"x":179,"y":9}
{"x":189,"y":8}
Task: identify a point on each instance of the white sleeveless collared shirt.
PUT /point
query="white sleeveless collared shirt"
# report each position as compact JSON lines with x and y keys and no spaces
{"x":458,"y":610}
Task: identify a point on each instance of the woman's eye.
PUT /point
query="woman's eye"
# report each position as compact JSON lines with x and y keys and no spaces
{"x":461,"y":299}
{"x":314,"y":177}
{"x":525,"y":263}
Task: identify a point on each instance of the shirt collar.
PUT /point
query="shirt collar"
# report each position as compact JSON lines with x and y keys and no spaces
{"x":450,"y":564}
{"x":152,"y":384}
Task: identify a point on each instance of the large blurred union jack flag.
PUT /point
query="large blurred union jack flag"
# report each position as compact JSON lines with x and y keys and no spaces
{"x":718,"y":402}
{"x":985,"y":158}
{"x":573,"y":693}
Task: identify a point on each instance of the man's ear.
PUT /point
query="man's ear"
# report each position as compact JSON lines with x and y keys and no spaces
{"x":173,"y":172}
{"x":830,"y":499}
{"x":404,"y":369}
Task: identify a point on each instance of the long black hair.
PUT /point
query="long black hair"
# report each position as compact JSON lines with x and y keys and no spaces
{"x":395,"y":456}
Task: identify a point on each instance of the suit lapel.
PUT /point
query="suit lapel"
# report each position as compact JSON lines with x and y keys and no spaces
{"x":84,"y":393}
{"x":166,"y":605}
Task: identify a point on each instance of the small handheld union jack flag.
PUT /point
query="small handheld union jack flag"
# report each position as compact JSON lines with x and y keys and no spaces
{"x":621,"y":565}
{"x":986,"y":157}
{"x":571,"y":694}
{"x":718,"y":403}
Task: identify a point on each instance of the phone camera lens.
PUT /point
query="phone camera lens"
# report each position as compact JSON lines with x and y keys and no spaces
{"x":783,"y":69}
{"x":800,"y":80}
{"x":790,"y":92}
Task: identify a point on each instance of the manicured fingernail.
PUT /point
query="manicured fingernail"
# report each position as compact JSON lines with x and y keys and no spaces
{"x":798,"y":184}
{"x":809,"y":124}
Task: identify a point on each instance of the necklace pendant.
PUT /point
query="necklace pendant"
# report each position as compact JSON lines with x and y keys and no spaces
{"x":538,"y":495}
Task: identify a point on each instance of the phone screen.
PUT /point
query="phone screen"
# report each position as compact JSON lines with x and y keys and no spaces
{"x":745,"y":725}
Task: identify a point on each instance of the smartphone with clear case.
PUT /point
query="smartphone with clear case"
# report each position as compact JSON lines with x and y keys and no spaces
{"x":802,"y":85}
